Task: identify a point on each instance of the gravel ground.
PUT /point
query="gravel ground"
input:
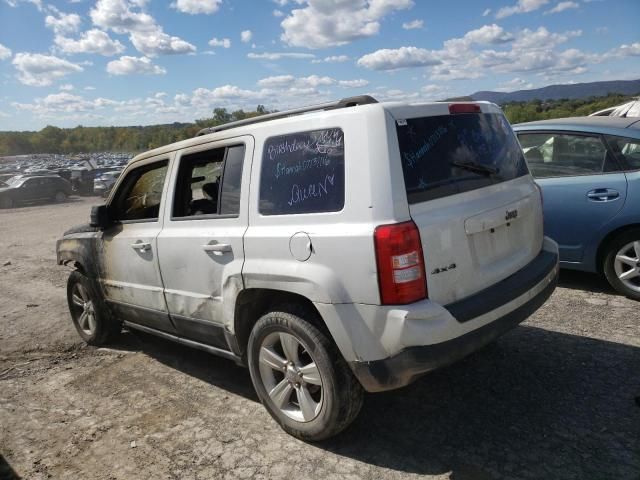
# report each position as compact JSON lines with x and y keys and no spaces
{"x":558,"y":397}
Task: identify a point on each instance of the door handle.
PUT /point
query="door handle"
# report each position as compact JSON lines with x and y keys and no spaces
{"x":217,"y":248}
{"x":603,"y":195}
{"x":142,"y":246}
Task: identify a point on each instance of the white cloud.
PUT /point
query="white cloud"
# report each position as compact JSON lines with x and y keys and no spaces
{"x":330,"y":23}
{"x":63,"y":23}
{"x":246,"y":36}
{"x":332,"y":59}
{"x":5,"y":52}
{"x":223,"y":42}
{"x":121,"y":16}
{"x":516,"y":83}
{"x":488,"y":34}
{"x":134,"y":65}
{"x":403,"y":57}
{"x":127,"y":16}
{"x":278,"y":13}
{"x":159,"y":43}
{"x":486,"y":12}
{"x":67,"y":87}
{"x":413,"y":24}
{"x":63,"y":103}
{"x":15,"y":3}
{"x":632,"y":50}
{"x":359,"y":83}
{"x":280,"y":55}
{"x":561,"y":7}
{"x":92,"y":41}
{"x":522,"y":6}
{"x":89,"y":88}
{"x":38,"y":70}
{"x":195,"y":7}
{"x":542,"y":39}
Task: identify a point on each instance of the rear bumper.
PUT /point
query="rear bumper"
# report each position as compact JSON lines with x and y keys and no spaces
{"x":496,"y":310}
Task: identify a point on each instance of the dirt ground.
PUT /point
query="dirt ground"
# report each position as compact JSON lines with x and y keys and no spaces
{"x":558,"y":397}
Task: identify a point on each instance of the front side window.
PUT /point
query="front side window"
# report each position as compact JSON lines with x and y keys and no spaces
{"x":303,"y":173}
{"x":139,"y":195}
{"x":565,"y":155}
{"x":450,"y":154}
{"x":628,"y":149}
{"x":209,"y":183}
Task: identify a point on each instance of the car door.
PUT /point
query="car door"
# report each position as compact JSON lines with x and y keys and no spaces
{"x":582,"y":184}
{"x":201,"y":247}
{"x":29,"y":189}
{"x":130,"y":273}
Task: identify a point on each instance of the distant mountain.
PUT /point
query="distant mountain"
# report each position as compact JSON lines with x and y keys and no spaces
{"x":556,"y":92}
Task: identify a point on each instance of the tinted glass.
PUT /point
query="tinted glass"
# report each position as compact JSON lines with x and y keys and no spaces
{"x":628,"y":149}
{"x":139,"y":196}
{"x":446,"y":155}
{"x":230,"y":197}
{"x":565,"y":155}
{"x":303,"y":173}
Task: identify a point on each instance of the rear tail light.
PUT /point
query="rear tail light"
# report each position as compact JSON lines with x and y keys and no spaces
{"x":464,"y":108}
{"x":401,"y":271}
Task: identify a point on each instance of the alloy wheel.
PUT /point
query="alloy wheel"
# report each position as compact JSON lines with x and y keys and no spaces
{"x":627,"y":265}
{"x":290,"y":376}
{"x":84,"y":310}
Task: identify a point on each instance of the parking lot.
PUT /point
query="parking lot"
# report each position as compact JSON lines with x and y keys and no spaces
{"x":558,"y":397}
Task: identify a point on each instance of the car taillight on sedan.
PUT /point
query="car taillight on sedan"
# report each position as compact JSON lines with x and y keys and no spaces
{"x":401,"y":270}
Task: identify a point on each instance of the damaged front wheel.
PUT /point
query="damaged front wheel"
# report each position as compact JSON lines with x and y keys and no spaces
{"x":89,"y":314}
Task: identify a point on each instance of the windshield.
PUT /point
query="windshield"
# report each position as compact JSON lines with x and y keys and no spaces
{"x":13,"y":181}
{"x":450,"y":154}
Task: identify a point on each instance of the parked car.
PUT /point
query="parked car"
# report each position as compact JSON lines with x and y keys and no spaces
{"x":589,"y":171}
{"x":346,"y":246}
{"x":103,"y":183}
{"x":629,"y":109}
{"x":24,"y":189}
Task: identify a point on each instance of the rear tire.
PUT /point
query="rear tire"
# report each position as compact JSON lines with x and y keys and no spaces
{"x":301,"y":378}
{"x":6,"y":202}
{"x":60,"y":197}
{"x":89,"y":313}
{"x":622,"y":264}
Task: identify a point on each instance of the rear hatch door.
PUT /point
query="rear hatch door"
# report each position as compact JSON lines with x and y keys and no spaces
{"x":471,"y":196}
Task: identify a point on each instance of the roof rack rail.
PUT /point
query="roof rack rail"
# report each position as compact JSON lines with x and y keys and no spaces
{"x":343,"y":103}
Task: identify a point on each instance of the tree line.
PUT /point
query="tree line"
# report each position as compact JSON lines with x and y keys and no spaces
{"x":518,"y":112}
{"x":137,"y":139}
{"x":113,"y":139}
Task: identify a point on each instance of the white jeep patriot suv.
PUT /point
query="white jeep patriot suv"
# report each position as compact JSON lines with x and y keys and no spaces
{"x":344,"y":247}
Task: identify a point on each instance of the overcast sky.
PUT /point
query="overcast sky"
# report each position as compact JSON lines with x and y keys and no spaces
{"x":139,"y":62}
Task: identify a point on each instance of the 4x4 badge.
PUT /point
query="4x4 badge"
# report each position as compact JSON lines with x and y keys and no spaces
{"x":443,"y":269}
{"x":511,"y":214}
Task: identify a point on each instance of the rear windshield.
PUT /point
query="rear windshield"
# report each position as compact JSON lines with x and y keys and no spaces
{"x":449,"y":154}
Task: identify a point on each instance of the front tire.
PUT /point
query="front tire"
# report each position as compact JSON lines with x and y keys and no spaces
{"x":301,"y":378}
{"x":89,"y":314}
{"x":622,"y":264}
{"x":60,"y":197}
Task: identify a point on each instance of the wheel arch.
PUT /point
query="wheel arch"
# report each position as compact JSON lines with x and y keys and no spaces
{"x":252,"y":303}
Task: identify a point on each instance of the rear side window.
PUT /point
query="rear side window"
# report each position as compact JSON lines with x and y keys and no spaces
{"x":627,"y":149}
{"x":551,"y":154}
{"x":209,"y":183}
{"x":450,"y":154}
{"x":303,"y":173}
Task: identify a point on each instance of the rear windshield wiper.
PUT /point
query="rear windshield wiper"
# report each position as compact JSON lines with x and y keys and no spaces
{"x":476,"y":168}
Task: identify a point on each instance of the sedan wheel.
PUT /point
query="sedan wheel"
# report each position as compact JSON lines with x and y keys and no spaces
{"x":622,"y":263}
{"x":627,"y":265}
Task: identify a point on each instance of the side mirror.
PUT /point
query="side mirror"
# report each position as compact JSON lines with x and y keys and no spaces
{"x":100,"y":217}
